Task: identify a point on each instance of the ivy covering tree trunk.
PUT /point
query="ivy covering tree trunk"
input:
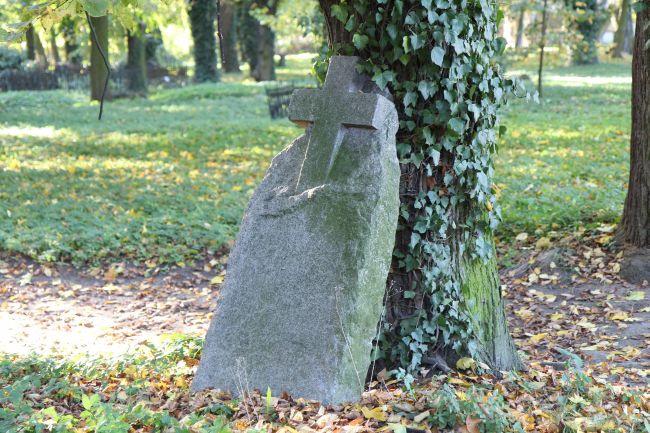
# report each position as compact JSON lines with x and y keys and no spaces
{"x":634,"y":230}
{"x":203,"y":14}
{"x":228,"y":36}
{"x":136,"y":63}
{"x":247,"y":30}
{"x":586,"y":21}
{"x":70,"y":46}
{"x":624,"y":30}
{"x":98,"y":70}
{"x":443,"y":298}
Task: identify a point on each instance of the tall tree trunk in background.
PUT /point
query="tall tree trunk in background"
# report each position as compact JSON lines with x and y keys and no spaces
{"x":227,"y":20}
{"x":480,"y":285}
{"x":71,"y":45}
{"x":54,"y":48}
{"x":542,"y":43}
{"x":623,"y":30}
{"x":41,"y":57}
{"x":265,"y":68}
{"x":203,"y":14}
{"x":520,"y":28}
{"x":136,"y":63}
{"x":29,"y":39}
{"x":98,"y":70}
{"x":634,"y":230}
{"x":247,"y":30}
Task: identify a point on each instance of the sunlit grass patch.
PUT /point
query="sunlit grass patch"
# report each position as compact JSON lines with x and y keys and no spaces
{"x":564,"y":162}
{"x":167,"y":178}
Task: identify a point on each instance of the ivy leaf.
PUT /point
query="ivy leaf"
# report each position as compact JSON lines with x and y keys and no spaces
{"x":360,"y":41}
{"x":340,"y":12}
{"x":457,"y":125}
{"x":409,"y":294}
{"x":410,"y":99}
{"x":437,"y":55}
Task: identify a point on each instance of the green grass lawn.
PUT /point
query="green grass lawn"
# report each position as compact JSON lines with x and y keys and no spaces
{"x":166,"y":178}
{"x":564,"y":162}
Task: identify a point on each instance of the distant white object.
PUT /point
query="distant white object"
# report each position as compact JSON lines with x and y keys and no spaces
{"x":607,"y":37}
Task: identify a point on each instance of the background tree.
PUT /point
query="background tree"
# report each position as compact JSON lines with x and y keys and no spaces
{"x":634,"y":229}
{"x":136,"y":64}
{"x":624,"y":30}
{"x":202,"y":14}
{"x":443,"y":297}
{"x":54,"y":48}
{"x":586,"y":20}
{"x":247,"y":31}
{"x":98,"y":70}
{"x":70,"y":42}
{"x":265,"y":63}
{"x":227,"y":25}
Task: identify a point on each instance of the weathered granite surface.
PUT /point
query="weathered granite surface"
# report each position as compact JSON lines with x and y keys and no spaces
{"x":304,"y":289}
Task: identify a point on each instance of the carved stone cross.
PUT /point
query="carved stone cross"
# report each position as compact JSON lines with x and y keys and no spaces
{"x":338,"y":106}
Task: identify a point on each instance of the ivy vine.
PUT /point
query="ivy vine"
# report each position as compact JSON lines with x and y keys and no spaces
{"x":437,"y":57}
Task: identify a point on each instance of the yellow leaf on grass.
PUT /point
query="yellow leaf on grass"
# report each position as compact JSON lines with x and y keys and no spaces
{"x":376,"y":413}
{"x":543,"y":243}
{"x":216,"y":280}
{"x":538,"y":337}
{"x":585,"y":324}
{"x":556,"y":316}
{"x":465,"y":363}
{"x":637,"y":295}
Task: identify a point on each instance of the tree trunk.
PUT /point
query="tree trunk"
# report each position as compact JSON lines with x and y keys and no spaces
{"x":479,"y":279}
{"x":98,"y":70}
{"x":54,"y":48}
{"x":542,"y":43}
{"x":635,"y":224}
{"x":265,"y":68}
{"x":585,"y":49}
{"x":202,"y":14}
{"x":71,"y":46}
{"x":136,"y":65}
{"x":29,"y":38}
{"x":520,"y":28}
{"x":621,"y":37}
{"x":41,"y":57}
{"x":247,"y":30}
{"x":228,"y":36}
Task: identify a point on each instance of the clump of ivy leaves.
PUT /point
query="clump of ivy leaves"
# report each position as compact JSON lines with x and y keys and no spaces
{"x":437,"y":58}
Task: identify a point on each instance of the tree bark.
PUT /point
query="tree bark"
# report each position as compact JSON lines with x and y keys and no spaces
{"x":227,"y":20}
{"x":202,"y":14}
{"x":479,"y":280}
{"x":136,"y":64}
{"x":98,"y":70}
{"x":520,"y":28}
{"x":623,"y":30}
{"x":635,"y":224}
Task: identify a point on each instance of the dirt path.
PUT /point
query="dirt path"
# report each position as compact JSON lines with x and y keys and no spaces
{"x":63,"y":310}
{"x":563,"y":298}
